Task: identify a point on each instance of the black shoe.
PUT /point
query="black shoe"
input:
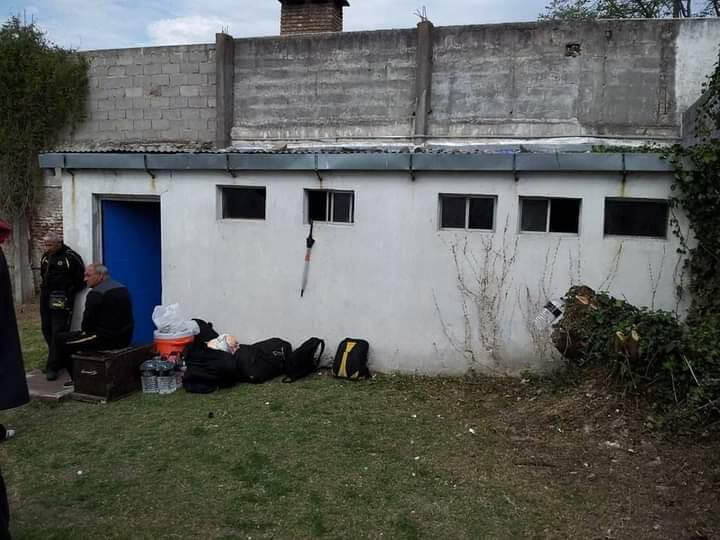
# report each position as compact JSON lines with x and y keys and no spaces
{"x":51,"y":375}
{"x":69,"y":383}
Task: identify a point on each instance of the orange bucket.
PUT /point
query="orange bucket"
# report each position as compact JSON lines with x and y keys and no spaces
{"x":166,"y":345}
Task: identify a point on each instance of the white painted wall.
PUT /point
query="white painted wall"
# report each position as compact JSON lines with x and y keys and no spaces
{"x":390,"y":276}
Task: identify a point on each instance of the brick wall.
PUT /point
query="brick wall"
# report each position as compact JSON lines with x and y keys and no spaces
{"x":152,"y":94}
{"x":310,"y":18}
{"x":47,"y":217}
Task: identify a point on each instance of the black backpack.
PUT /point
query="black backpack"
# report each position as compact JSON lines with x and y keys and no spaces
{"x":264,"y":360}
{"x":351,"y":359}
{"x":304,"y":360}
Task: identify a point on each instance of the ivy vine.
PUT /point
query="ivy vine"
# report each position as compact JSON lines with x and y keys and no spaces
{"x":43,"y":89}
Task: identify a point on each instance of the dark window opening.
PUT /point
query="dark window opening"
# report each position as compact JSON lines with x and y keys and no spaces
{"x":467,"y":212}
{"x":330,"y":206}
{"x":243,"y":202}
{"x":633,"y":217}
{"x":564,"y":215}
{"x":533,"y":215}
{"x":557,"y":215}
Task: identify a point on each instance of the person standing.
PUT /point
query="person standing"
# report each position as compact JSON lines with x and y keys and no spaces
{"x":13,"y":382}
{"x":61,"y":273}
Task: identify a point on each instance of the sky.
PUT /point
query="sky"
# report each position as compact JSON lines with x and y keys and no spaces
{"x":111,"y":24}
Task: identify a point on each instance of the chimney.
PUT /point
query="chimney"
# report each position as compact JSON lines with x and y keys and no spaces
{"x":311,"y":16}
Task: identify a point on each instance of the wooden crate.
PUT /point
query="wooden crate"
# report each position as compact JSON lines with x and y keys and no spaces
{"x":108,"y":375}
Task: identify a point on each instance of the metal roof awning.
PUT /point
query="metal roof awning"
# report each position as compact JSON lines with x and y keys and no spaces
{"x":360,"y":161}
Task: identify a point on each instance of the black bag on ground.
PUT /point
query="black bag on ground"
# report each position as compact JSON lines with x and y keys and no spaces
{"x":351,"y":359}
{"x":263,"y":360}
{"x":304,"y":360}
{"x":210,"y":366}
{"x":207,"y":332}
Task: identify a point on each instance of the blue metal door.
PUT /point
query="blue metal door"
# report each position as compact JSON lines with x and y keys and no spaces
{"x":131,"y":250}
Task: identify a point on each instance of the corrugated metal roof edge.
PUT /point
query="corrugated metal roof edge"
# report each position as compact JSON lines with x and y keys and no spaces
{"x":368,"y":161}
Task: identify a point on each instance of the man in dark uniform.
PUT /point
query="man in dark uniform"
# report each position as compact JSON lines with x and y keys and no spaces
{"x":61,"y":270}
{"x":13,"y":384}
{"x":107,"y":320}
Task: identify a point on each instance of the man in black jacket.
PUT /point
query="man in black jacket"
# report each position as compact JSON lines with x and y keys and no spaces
{"x":13,"y":383}
{"x":107,"y":320}
{"x":61,"y":271}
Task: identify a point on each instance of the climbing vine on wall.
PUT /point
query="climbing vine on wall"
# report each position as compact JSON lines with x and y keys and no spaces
{"x":697,"y":193}
{"x":42,"y":90}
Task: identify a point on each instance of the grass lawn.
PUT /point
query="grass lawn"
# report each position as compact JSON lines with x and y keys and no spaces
{"x":393,"y":457}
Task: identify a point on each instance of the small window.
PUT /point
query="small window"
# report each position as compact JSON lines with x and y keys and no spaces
{"x":549,"y":215}
{"x":330,"y":206}
{"x":636,"y":217}
{"x":467,"y":212}
{"x":243,"y":202}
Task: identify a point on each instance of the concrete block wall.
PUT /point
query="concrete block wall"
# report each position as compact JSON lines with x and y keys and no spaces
{"x":325,"y":85}
{"x":153,"y":94}
{"x":555,"y":79}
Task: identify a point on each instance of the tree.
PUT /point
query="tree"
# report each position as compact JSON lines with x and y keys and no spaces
{"x":42,"y":89}
{"x":625,"y":9}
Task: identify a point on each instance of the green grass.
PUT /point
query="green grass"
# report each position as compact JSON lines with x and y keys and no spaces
{"x":388,"y":458}
{"x":33,"y":342}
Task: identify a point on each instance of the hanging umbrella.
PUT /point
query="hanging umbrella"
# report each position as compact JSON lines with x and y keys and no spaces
{"x":309,"y":241}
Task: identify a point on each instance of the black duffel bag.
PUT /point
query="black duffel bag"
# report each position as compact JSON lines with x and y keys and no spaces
{"x":263,"y":360}
{"x":304,"y":360}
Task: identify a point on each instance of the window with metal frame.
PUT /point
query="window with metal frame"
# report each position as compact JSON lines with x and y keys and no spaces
{"x":472,"y":212}
{"x":330,"y":206}
{"x":550,"y":214}
{"x":636,"y":217}
{"x":242,"y":202}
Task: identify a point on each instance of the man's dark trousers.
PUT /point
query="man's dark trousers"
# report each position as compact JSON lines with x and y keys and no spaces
{"x":54,"y":322}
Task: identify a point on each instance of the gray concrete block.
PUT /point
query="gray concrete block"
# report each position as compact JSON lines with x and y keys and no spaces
{"x":116,"y":71}
{"x":171,"y":114}
{"x":124,"y":124}
{"x":197,"y":102}
{"x":212,"y":102}
{"x":190,"y":114}
{"x":178,"y":102}
{"x":152,"y":114}
{"x":134,"y":114}
{"x":207,"y":67}
{"x":105,"y":105}
{"x":178,"y":80}
{"x":125,"y":60}
{"x":208,"y":90}
{"x":189,"y":68}
{"x":116,"y":115}
{"x":152,"y":69}
{"x":142,"y":81}
{"x":189,"y":91}
{"x":140,"y":103}
{"x":134,"y":92}
{"x":197,"y":78}
{"x":133,"y":70}
{"x":207,"y":113}
{"x":211,"y":78}
{"x":171,"y":69}
{"x":160,"y":102}
{"x":142,"y":124}
{"x":171,"y":91}
{"x":124,"y":103}
{"x":160,"y":124}
{"x":160,"y":80}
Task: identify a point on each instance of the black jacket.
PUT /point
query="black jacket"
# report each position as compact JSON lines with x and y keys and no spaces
{"x":13,"y":384}
{"x":108,"y":313}
{"x":62,"y":271}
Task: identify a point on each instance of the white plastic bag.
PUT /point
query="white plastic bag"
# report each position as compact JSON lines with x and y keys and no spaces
{"x":224,"y":342}
{"x":169,"y":320}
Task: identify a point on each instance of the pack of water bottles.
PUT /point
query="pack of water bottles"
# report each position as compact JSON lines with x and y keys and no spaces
{"x":161,"y":375}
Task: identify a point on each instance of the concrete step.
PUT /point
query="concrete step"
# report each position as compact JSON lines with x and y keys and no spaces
{"x":42,"y":389}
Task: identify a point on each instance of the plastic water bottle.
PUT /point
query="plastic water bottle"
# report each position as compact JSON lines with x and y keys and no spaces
{"x":550,"y":312}
{"x":167,"y":383}
{"x":148,"y":376}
